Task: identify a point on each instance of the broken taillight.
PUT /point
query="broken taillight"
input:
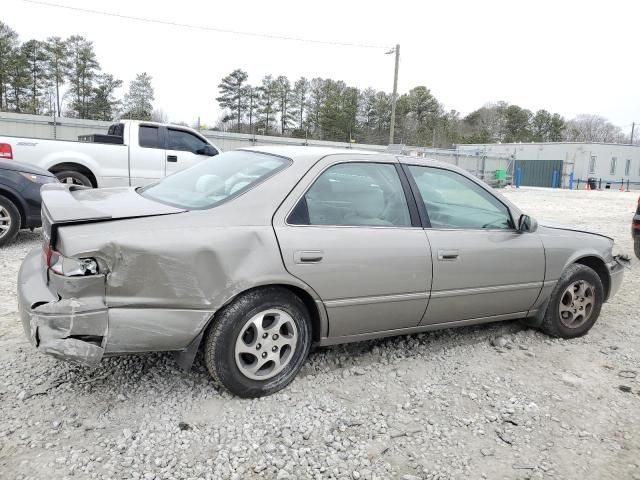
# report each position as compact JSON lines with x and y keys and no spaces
{"x":68,"y":267}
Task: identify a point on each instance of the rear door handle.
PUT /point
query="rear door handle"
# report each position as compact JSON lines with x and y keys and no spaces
{"x":308,"y":256}
{"x":172,"y":158}
{"x":448,"y":255}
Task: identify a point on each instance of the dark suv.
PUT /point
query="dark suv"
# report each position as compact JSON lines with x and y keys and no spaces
{"x":635,"y":230}
{"x":20,"y":197}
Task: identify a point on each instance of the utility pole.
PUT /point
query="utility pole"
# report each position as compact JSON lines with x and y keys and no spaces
{"x":395,"y":92}
{"x":633,"y":127}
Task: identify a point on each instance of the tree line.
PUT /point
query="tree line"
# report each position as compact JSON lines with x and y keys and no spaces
{"x":327,"y":109}
{"x":63,"y":77}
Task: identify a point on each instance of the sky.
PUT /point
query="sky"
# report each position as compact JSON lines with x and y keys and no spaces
{"x":566,"y":56}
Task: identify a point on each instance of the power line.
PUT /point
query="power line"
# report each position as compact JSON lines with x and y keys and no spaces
{"x":206,"y":28}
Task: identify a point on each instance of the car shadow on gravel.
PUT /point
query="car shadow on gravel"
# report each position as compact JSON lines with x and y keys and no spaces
{"x":157,"y":374}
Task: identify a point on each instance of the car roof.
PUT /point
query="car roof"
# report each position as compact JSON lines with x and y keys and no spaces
{"x":304,"y":153}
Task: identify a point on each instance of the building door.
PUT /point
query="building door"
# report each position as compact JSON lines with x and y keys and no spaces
{"x":539,"y":173}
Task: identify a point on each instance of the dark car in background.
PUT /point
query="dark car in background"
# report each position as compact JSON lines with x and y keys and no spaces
{"x":20,"y":197}
{"x":635,"y":230}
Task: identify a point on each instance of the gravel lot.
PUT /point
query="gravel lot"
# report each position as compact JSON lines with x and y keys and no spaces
{"x":494,"y":401}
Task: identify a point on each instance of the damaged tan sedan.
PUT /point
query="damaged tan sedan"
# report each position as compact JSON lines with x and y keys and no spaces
{"x":259,"y":253}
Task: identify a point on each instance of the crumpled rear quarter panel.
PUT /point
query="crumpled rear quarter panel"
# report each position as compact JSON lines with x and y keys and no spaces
{"x":166,"y":276}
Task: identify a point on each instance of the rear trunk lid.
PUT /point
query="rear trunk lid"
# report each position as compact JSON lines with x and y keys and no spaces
{"x":64,"y":204}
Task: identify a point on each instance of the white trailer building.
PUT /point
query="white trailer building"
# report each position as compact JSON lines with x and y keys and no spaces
{"x":610,"y":164}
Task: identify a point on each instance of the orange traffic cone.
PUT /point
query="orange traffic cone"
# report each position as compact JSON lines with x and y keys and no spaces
{"x":622,"y":187}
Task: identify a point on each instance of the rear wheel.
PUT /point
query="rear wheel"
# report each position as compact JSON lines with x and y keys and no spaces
{"x":636,"y":247}
{"x":72,"y":177}
{"x":575,"y":303}
{"x":10,"y":221}
{"x":258,"y":343}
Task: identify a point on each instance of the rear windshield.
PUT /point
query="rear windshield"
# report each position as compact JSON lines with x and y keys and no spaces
{"x":214,"y":180}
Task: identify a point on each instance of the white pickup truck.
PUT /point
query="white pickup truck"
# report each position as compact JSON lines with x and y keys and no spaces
{"x":132,"y":153}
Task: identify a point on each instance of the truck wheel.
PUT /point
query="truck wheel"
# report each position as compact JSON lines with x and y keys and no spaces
{"x":257,"y":344}
{"x":10,"y":221}
{"x":73,"y":178}
{"x":575,"y":303}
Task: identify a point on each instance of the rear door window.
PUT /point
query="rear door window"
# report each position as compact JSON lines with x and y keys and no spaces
{"x":149,"y":137}
{"x":354,"y":194}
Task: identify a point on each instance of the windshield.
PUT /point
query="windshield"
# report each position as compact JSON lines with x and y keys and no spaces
{"x":215,"y":180}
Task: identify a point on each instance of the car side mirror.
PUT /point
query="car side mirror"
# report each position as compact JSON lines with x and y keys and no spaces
{"x":207,"y":150}
{"x":527,"y":224}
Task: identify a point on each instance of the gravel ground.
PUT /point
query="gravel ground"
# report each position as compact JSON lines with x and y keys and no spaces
{"x":493,"y":401}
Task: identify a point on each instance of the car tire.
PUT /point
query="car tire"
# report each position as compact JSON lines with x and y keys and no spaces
{"x":9,"y":227}
{"x":636,"y":247}
{"x":257,"y":344}
{"x":575,"y":303}
{"x":73,"y":177}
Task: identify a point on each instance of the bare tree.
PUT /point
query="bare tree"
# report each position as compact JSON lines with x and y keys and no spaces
{"x":592,"y":128}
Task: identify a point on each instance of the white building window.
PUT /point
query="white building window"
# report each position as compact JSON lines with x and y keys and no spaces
{"x":614,"y":164}
{"x":627,"y":167}
{"x":592,"y":164}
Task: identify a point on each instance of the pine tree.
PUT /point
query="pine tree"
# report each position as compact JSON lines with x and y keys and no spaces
{"x":283,"y":101}
{"x":299,"y":100}
{"x":58,"y":67}
{"x":18,"y":80}
{"x":8,"y":46}
{"x":139,"y":100}
{"x":84,"y":70}
{"x":35,"y":57}
{"x":252,"y":96}
{"x":233,"y":94}
{"x":316,"y":101}
{"x":266,"y":102}
{"x":104,"y":105}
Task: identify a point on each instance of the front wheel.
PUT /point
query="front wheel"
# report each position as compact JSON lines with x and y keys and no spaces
{"x":257,"y":344}
{"x":10,"y":221}
{"x":575,"y":303}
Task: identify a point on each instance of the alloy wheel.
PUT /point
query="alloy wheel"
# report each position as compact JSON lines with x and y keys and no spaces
{"x":576,"y":304}
{"x":266,"y":344}
{"x":5,"y":221}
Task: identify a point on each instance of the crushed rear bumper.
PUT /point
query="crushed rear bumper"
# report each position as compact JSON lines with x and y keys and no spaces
{"x":74,"y":328}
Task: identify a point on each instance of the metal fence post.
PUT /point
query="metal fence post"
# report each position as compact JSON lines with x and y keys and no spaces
{"x":600,"y":184}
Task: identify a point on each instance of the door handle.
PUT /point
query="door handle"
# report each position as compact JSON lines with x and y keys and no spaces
{"x":448,"y":255}
{"x":308,"y":256}
{"x":172,"y":158}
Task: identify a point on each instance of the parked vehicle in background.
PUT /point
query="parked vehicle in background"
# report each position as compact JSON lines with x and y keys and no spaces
{"x":132,"y":153}
{"x":263,"y":251}
{"x":20,"y":197}
{"x":635,"y":230}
